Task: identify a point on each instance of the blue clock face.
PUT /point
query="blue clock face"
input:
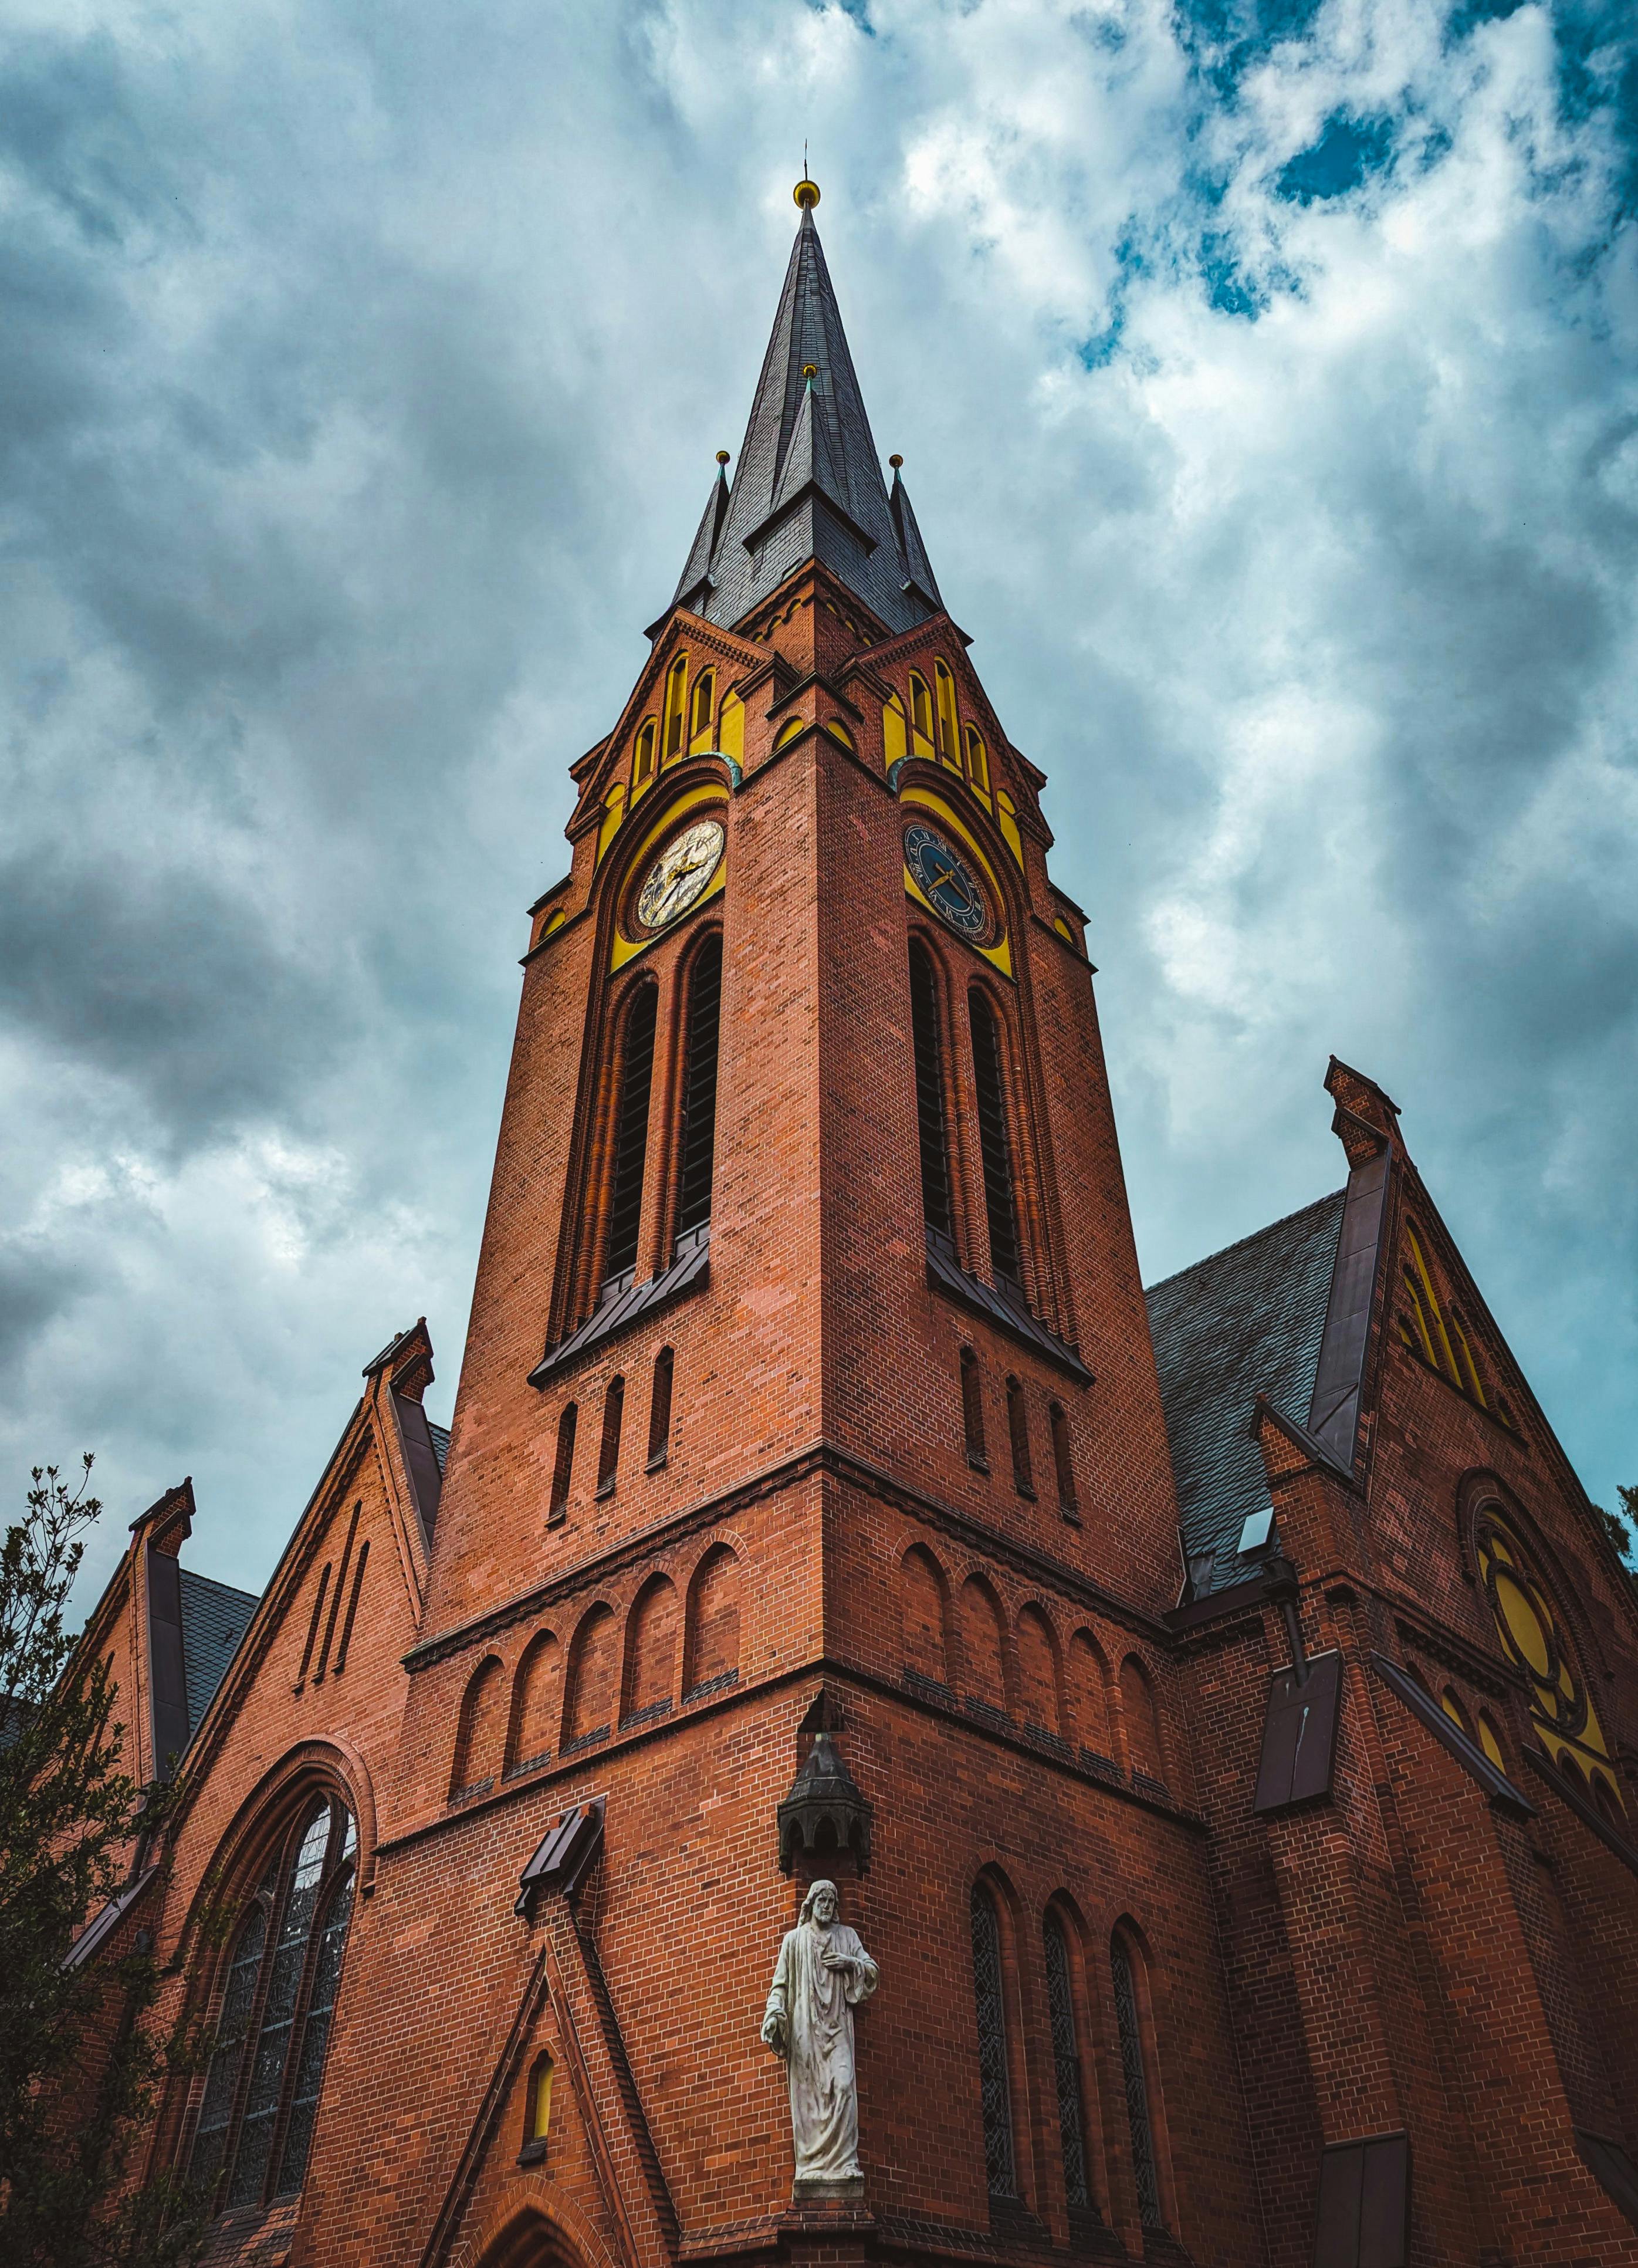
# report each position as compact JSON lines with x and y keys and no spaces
{"x":947,"y":882}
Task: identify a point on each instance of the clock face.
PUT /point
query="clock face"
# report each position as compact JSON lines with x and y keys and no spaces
{"x":680,"y":874}
{"x":947,"y":882}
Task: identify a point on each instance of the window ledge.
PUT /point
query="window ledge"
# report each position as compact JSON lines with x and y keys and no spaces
{"x":532,"y":2153}
{"x":689,"y":1272}
{"x":1008,"y":1314}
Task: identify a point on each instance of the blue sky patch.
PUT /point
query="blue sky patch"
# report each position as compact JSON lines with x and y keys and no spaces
{"x":1348,"y":150}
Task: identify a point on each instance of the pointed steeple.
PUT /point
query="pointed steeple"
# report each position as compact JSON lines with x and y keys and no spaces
{"x":808,"y":484}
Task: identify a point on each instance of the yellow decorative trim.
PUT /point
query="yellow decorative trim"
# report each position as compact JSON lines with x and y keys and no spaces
{"x":730,"y":728}
{"x":614,"y":814}
{"x":788,"y":730}
{"x":895,"y":739}
{"x":924,"y":798}
{"x":627,"y":948}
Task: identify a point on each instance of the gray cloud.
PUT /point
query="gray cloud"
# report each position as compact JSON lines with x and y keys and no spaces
{"x":1271,"y":415}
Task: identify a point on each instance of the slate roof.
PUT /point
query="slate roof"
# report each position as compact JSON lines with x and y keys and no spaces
{"x":808,"y":484}
{"x":1247,"y":1321}
{"x":214,"y":1617}
{"x":440,"y":1441}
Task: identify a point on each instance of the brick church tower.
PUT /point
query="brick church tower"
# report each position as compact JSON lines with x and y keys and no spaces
{"x":1216,"y":1711}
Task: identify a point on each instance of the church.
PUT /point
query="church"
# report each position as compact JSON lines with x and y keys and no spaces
{"x":874,"y":1738}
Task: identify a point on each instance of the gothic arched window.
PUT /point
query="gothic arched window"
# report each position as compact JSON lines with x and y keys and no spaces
{"x":700,"y":715}
{"x":1135,"y":2079}
{"x":1533,"y":1637}
{"x":995,"y":1149}
{"x":631,"y":1138}
{"x":562,"y":1465}
{"x":695,"y":1161}
{"x":1066,"y":2062}
{"x":995,"y":2090}
{"x":262,"y":2085}
{"x":930,"y":1096}
{"x":642,"y":768}
{"x":659,"y":1408}
{"x":608,"y":1451}
{"x":676,"y":687}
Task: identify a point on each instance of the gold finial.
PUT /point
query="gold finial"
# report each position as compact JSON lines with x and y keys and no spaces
{"x":721,"y":456}
{"x":810,"y":370}
{"x":895,"y":462}
{"x":806,"y":194}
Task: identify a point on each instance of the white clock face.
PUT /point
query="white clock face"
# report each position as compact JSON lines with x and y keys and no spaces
{"x":680,"y":874}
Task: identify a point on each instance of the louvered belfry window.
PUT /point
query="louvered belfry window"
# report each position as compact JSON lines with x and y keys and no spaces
{"x":994,"y":1147}
{"x":266,"y":2070}
{"x":1136,"y":2088}
{"x":996,"y":2094}
{"x":695,"y":1159}
{"x":1066,"y":2062}
{"x":930,"y":1095}
{"x":631,"y":1138}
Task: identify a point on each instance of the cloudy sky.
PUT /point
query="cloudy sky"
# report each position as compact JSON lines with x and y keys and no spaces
{"x":1267,"y":385}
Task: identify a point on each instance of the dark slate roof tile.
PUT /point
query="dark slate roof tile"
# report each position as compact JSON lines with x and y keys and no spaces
{"x":1247,"y":1321}
{"x":214,"y":1617}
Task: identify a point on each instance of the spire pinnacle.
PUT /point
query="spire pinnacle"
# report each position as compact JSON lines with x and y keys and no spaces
{"x":808,"y":484}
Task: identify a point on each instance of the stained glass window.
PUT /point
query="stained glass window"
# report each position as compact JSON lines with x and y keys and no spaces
{"x":995,"y":2093}
{"x":1532,"y":1639}
{"x":1136,"y":2088}
{"x":1066,"y":2062}
{"x":930,"y":1095}
{"x":281,"y":1988}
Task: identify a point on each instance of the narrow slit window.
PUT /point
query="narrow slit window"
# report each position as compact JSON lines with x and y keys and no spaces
{"x":995,"y":2092}
{"x":1137,"y":2086}
{"x":563,"y":1464}
{"x":973,"y":1410}
{"x":701,"y":1047}
{"x":643,"y":767}
{"x":977,"y":762}
{"x":921,"y":708}
{"x":1063,"y":1461}
{"x":699,"y":719}
{"x":930,"y":1096}
{"x":631,"y":1140}
{"x":1066,"y":2062}
{"x":352,"y":1609}
{"x":313,"y":1627}
{"x":1018,"y":1438}
{"x":675,"y":689}
{"x":994,"y":1148}
{"x":538,"y":2109}
{"x":608,"y":1452}
{"x":659,"y":1408}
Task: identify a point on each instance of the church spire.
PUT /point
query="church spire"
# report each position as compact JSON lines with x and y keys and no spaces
{"x":808,"y":484}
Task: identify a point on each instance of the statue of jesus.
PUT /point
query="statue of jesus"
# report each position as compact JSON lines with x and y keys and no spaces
{"x":822,"y":1975}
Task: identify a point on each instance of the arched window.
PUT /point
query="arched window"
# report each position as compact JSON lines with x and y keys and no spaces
{"x":537,"y":2117}
{"x":995,"y":2091}
{"x":949,"y":730}
{"x":478,"y":1732}
{"x":1136,"y":2079}
{"x":1490,"y":1742}
{"x":1142,"y":1716}
{"x":260,"y":2102}
{"x":1063,"y":1462}
{"x":921,"y":710}
{"x":1431,"y":1328}
{"x":642,"y":765}
{"x":593,"y":1670}
{"x":695,"y":1157}
{"x":1066,"y":2062}
{"x":562,"y":1465}
{"x":994,"y":1147}
{"x":930,"y":1096}
{"x":1533,"y":1638}
{"x":659,"y":1408}
{"x":1018,"y":1439}
{"x":536,"y":1699}
{"x":608,"y":1452}
{"x":700,"y":712}
{"x":977,"y":762}
{"x":1450,"y":1701}
{"x":631,"y":1139}
{"x":973,"y":1410}
{"x":676,"y":684}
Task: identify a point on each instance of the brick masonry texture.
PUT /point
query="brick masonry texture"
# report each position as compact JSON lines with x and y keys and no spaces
{"x":1011,"y":1683}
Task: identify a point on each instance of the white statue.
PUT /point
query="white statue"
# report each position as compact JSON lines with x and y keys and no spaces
{"x":823,"y":1974}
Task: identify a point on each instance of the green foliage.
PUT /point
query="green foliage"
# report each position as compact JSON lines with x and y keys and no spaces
{"x":79,"y":2058}
{"x":1619,"y":1526}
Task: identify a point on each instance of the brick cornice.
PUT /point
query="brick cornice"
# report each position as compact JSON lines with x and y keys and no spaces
{"x":819,"y":1456}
